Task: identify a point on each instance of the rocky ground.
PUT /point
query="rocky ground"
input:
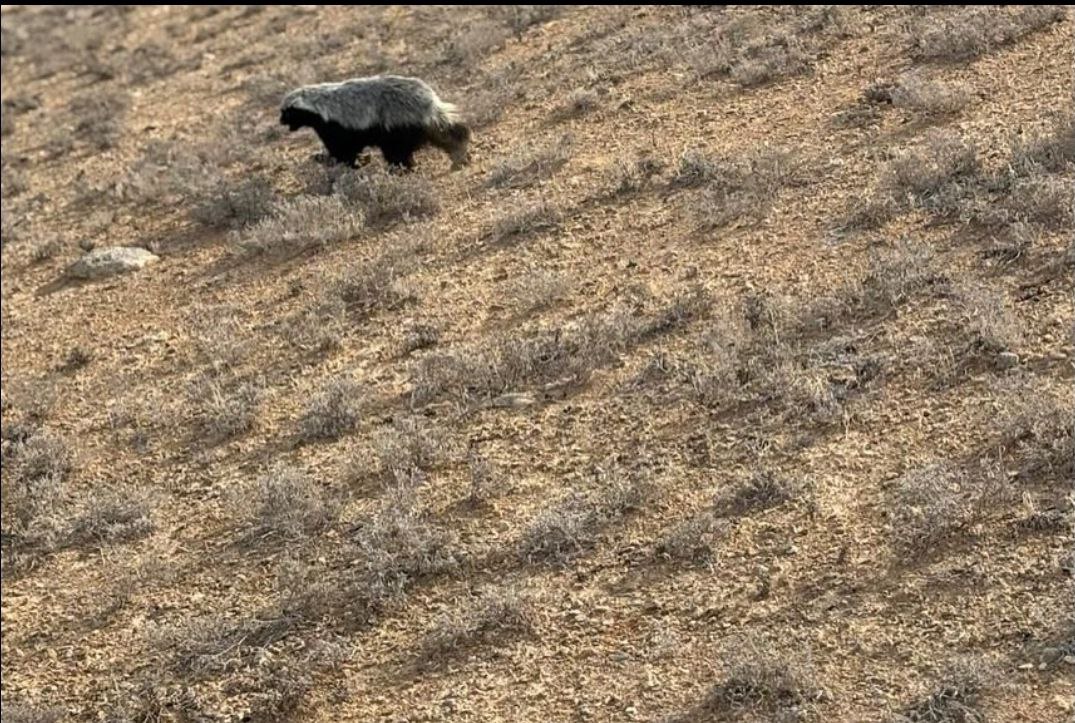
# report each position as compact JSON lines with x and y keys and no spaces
{"x":731,"y":381}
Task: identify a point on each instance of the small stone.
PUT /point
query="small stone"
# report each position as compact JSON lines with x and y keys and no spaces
{"x":1007,"y":359}
{"x":102,"y":263}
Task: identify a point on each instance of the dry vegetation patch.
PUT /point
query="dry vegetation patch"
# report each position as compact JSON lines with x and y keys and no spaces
{"x":735,"y":304}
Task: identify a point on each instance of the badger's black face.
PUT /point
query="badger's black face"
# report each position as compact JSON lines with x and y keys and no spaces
{"x":293,"y":118}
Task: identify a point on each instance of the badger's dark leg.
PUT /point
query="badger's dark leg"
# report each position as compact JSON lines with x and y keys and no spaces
{"x":400,"y":144}
{"x":340,"y":142}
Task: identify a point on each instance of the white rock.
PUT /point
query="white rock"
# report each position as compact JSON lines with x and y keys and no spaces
{"x":101,"y":263}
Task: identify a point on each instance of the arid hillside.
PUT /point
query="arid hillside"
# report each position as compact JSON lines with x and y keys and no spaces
{"x":731,"y":381}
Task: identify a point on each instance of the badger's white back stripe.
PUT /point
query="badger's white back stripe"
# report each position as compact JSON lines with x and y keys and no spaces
{"x":386,"y":101}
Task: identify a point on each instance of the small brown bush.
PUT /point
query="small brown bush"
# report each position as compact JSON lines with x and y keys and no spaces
{"x":692,"y":540}
{"x":494,"y":617}
{"x":932,"y":503}
{"x":112,"y":516}
{"x":99,"y":117}
{"x":384,"y":198}
{"x":302,"y":223}
{"x":522,"y":223}
{"x":236,"y":207}
{"x":411,"y":444}
{"x":974,"y":31}
{"x":22,"y":713}
{"x":956,"y":698}
{"x":759,"y":492}
{"x":392,"y":550}
{"x":526,"y":168}
{"x":761,"y":679}
{"x":286,"y":505}
{"x":225,"y":410}
{"x":916,"y":93}
{"x":333,"y":412}
{"x":36,"y":465}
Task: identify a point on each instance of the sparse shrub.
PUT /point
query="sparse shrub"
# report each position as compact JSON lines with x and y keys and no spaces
{"x":7,"y":121}
{"x":560,"y":355}
{"x":77,"y":358}
{"x":894,"y":276}
{"x":287,"y":505}
{"x":221,"y":339}
{"x":717,"y":208}
{"x":35,"y":467}
{"x":538,"y":290}
{"x":938,"y":176}
{"x":484,"y":480}
{"x":467,"y":47}
{"x":1045,"y":201}
{"x":925,"y":170}
{"x":113,"y":516}
{"x":715,"y":379}
{"x":930,"y":504}
{"x":691,"y":540}
{"x":385,"y":198}
{"x":779,"y":56}
{"x":99,"y":117}
{"x":23,"y":713}
{"x":411,"y":444}
{"x":525,"y":168}
{"x":152,"y":61}
{"x":992,"y":327}
{"x":621,"y":491}
{"x":759,"y":492}
{"x":684,"y":307}
{"x":522,"y":223}
{"x":302,"y":223}
{"x":13,"y":182}
{"x":916,"y":93}
{"x":491,"y":618}
{"x":1039,"y":431}
{"x":225,"y":410}
{"x":420,"y":336}
{"x":696,"y":168}
{"x":974,"y":31}
{"x":579,"y":102}
{"x":236,"y":207}
{"x":559,"y":534}
{"x":377,"y":284}
{"x":496,"y":94}
{"x":955,"y":699}
{"x":734,"y":189}
{"x":857,"y":116}
{"x":713,"y":57}
{"x":171,"y":173}
{"x":320,"y":327}
{"x":1050,"y":151}
{"x":211,"y":645}
{"x":394,"y":549}
{"x":333,"y":412}
{"x":519,"y":18}
{"x":44,"y":247}
{"x":759,"y":678}
{"x":633,"y":176}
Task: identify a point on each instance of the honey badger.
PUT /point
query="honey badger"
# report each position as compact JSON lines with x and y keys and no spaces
{"x":399,"y":115}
